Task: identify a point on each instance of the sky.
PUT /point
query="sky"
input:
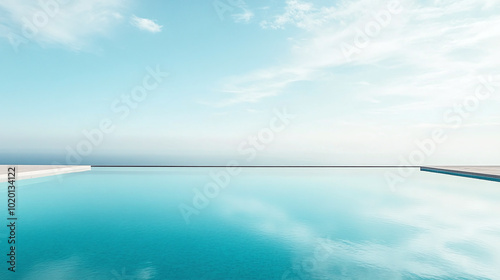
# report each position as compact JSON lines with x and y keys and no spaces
{"x":253,"y":82}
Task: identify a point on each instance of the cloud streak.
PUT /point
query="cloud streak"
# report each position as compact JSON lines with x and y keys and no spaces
{"x":66,"y":24}
{"x":427,"y":52}
{"x":145,"y":24}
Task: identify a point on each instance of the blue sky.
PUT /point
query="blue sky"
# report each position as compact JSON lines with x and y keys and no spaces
{"x":367,"y":81}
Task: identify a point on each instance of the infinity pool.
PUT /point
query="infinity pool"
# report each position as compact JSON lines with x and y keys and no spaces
{"x":207,"y":223}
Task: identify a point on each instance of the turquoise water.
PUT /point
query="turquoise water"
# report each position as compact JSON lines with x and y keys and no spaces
{"x":264,"y":224}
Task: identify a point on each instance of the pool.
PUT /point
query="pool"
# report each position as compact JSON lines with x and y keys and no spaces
{"x":207,"y":223}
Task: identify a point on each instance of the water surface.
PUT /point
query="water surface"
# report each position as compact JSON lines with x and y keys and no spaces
{"x":127,"y":223}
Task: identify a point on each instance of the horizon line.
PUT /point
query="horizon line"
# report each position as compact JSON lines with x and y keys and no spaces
{"x":264,"y":166}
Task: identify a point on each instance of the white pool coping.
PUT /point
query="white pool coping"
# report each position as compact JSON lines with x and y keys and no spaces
{"x":491,"y":173}
{"x":36,"y":171}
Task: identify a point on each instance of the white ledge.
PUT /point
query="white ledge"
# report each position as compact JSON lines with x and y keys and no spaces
{"x":35,"y":171}
{"x":491,"y":173}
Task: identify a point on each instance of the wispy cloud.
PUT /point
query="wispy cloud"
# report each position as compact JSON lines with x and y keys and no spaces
{"x":296,"y":12}
{"x":62,"y":23}
{"x":146,"y":24}
{"x":260,"y":84}
{"x":427,"y":51}
{"x":238,"y":10}
{"x":245,"y":16}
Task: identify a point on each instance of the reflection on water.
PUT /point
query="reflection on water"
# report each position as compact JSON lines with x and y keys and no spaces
{"x":266,"y":224}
